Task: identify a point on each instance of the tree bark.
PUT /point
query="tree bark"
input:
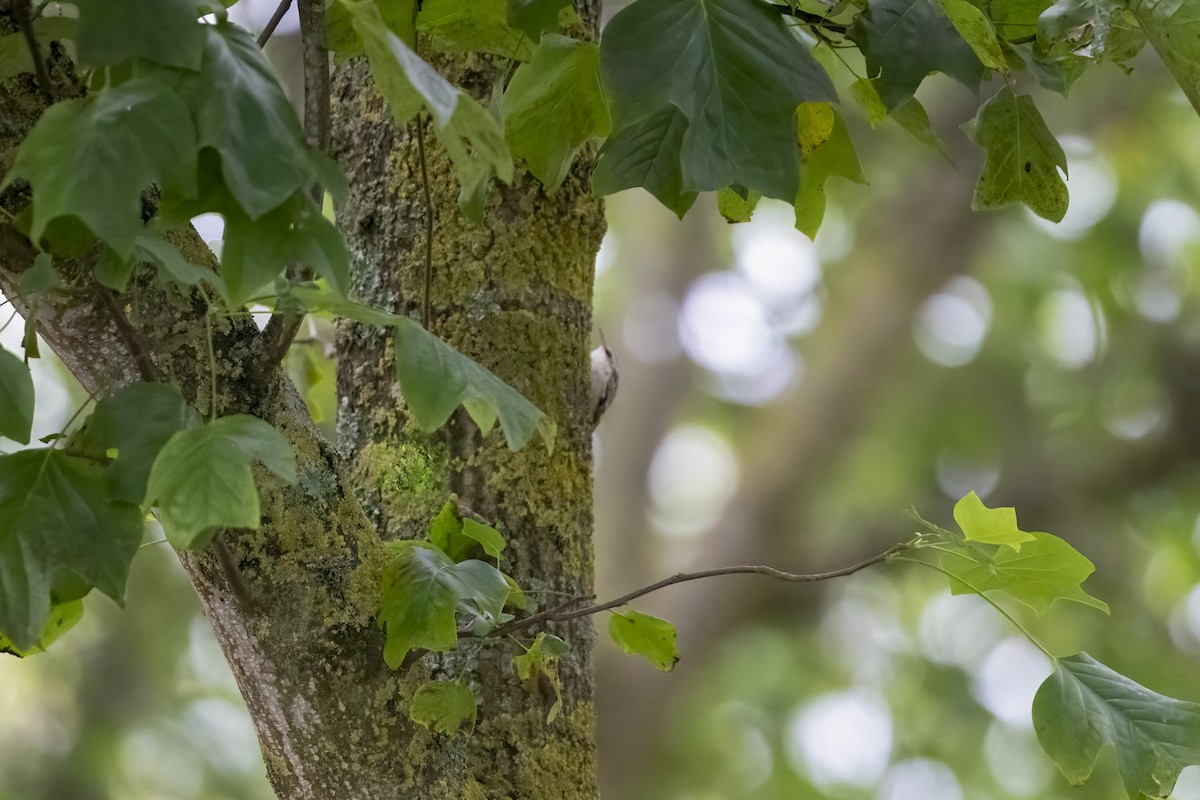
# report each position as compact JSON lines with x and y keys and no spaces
{"x":293,"y":609}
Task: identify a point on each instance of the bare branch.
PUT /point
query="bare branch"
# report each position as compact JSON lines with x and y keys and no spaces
{"x":273,"y":23}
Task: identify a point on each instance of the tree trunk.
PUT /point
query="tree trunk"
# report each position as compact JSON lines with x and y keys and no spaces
{"x":293,"y":607}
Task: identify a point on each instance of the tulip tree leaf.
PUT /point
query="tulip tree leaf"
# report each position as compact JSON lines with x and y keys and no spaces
{"x":646,"y":636}
{"x":1173,"y":28}
{"x":15,"y":57}
{"x":57,"y":522}
{"x":1023,"y":158}
{"x":444,"y":707}
{"x":473,"y":26}
{"x":168,"y":32}
{"x":554,"y":105}
{"x":539,"y":666}
{"x":737,"y":204}
{"x":16,"y":398}
{"x":989,"y":525}
{"x":912,"y":117}
{"x":829,"y":154}
{"x":472,"y":137}
{"x":92,"y":157}
{"x":905,"y":40}
{"x":535,"y":17}
{"x":436,"y":379}
{"x":733,"y":69}
{"x":1047,"y":569}
{"x":458,"y":537}
{"x":1085,"y":706}
{"x":422,"y":592}
{"x":137,"y":422}
{"x":202,"y":480}
{"x":646,"y":154}
{"x":977,"y":31}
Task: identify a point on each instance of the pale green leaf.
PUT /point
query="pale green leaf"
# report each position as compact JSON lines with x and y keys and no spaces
{"x":833,"y":156}
{"x":443,"y":707}
{"x":63,"y":617}
{"x":977,"y":31}
{"x":912,"y":117}
{"x":16,"y":398}
{"x":1084,"y":706}
{"x":539,"y":666}
{"x":435,"y":379}
{"x":1173,"y":28}
{"x":473,"y":26}
{"x":554,"y":105}
{"x":737,"y":204}
{"x":1023,"y":158}
{"x":56,"y":521}
{"x":867,"y":95}
{"x":646,"y":636}
{"x":1047,"y":569}
{"x":202,"y":480}
{"x":989,"y":525}
{"x":15,"y":57}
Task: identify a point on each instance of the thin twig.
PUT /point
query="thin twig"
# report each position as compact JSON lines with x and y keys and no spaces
{"x":273,"y":23}
{"x":428,"y":280}
{"x":134,"y":339}
{"x":26,"y":17}
{"x":280,"y":331}
{"x":562,"y":613}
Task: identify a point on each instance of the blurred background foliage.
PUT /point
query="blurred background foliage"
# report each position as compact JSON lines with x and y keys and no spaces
{"x":782,"y":402}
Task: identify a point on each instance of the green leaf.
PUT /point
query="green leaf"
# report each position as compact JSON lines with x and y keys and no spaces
{"x":92,"y":158}
{"x":735,"y":205}
{"x":1095,"y":29}
{"x":164,"y":31}
{"x":835,"y":156}
{"x":1046,"y":570}
{"x":535,"y":17}
{"x":735,"y":71}
{"x":1023,"y":158}
{"x":539,"y":665}
{"x":977,"y":31}
{"x":473,"y":26}
{"x":457,"y":537}
{"x":63,"y":617}
{"x":201,"y":480}
{"x":647,"y":636}
{"x":488,"y":537}
{"x":1173,"y":28}
{"x":400,"y":16}
{"x":1016,"y":20}
{"x":646,"y":154}
{"x":39,"y":278}
{"x":905,"y":40}
{"x":443,"y":707}
{"x":471,"y":136}
{"x":554,"y":105}
{"x":56,"y":521}
{"x":15,"y":57}
{"x":435,"y":379}
{"x":912,"y":117}
{"x":867,"y":95}
{"x":422,"y":591}
{"x":321,"y":300}
{"x":241,"y":112}
{"x":154,"y":249}
{"x":989,"y":525}
{"x":1085,"y":706}
{"x":138,"y":421}
{"x":16,"y":398}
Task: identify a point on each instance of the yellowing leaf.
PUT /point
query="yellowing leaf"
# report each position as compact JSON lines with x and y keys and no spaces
{"x":814,"y":125}
{"x":646,"y":636}
{"x":443,"y":707}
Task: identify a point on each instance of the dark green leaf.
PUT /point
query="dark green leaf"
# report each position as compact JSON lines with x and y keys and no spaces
{"x":911,"y":116}
{"x":905,"y":40}
{"x":535,"y":17}
{"x":16,"y":398}
{"x":422,"y":591}
{"x":1085,"y":706}
{"x":1023,"y":158}
{"x":646,"y":154}
{"x":137,"y":422}
{"x":435,"y":379}
{"x":201,"y":480}
{"x":56,"y":518}
{"x":443,"y":707}
{"x":92,"y":157}
{"x":735,"y":71}
{"x":164,"y":31}
{"x":553,"y":105}
{"x":647,"y":636}
{"x":473,"y":26}
{"x":1046,"y":570}
{"x":241,"y":112}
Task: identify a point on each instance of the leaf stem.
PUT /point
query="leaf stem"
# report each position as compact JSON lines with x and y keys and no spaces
{"x":428,"y":280}
{"x":989,"y":601}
